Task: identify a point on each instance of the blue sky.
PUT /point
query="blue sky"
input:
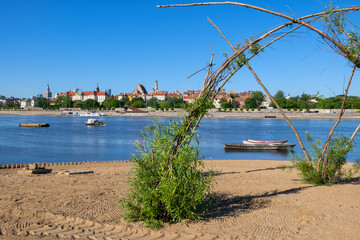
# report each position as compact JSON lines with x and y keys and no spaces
{"x":118,"y":44}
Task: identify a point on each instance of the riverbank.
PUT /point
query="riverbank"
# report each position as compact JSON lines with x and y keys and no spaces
{"x":213,"y":113}
{"x":256,"y":200}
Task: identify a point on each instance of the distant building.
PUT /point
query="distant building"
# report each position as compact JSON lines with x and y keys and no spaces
{"x":160,"y":95}
{"x":33,"y":102}
{"x":25,"y":103}
{"x":39,"y":95}
{"x":83,"y":96}
{"x":140,"y":89}
{"x":48,"y":93}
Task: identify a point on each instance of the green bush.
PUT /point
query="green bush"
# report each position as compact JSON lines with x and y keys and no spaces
{"x":219,"y":109}
{"x":162,"y":190}
{"x":241,"y":109}
{"x":247,"y":109}
{"x":259,"y":109}
{"x":336,"y":158}
{"x":358,"y":111}
{"x":308,"y":109}
{"x":252,"y":109}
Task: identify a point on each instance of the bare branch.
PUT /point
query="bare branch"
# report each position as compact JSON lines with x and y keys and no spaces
{"x":342,"y":111}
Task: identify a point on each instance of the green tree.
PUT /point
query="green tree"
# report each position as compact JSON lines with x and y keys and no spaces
{"x":123,"y":102}
{"x":305,"y":97}
{"x":110,"y":103}
{"x":59,"y":101}
{"x":225,"y":105}
{"x":78,"y":104}
{"x":67,"y":102}
{"x":235,"y":104}
{"x":279,"y":95}
{"x":258,"y":97}
{"x":153,"y":102}
{"x":42,"y":102}
{"x":138,"y":104}
{"x":174,"y":102}
{"x":250,"y":103}
{"x":90,"y":104}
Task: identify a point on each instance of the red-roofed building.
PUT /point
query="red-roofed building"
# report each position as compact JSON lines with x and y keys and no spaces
{"x":83,"y":96}
{"x":189,"y":99}
{"x":160,"y":95}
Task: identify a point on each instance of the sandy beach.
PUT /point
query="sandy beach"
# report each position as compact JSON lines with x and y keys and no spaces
{"x":256,"y":200}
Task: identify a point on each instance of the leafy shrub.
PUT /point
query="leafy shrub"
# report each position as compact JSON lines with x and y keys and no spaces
{"x":241,"y":109}
{"x":335,"y":158}
{"x":259,"y":109}
{"x":247,"y":109}
{"x":162,"y":189}
{"x":219,"y":109}
{"x":252,"y":109}
{"x":308,"y":109}
{"x":358,"y":111}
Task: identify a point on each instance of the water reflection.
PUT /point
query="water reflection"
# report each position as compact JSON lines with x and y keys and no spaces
{"x":68,"y":139}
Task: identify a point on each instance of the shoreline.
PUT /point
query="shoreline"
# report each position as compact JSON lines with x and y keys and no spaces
{"x":350,"y":114}
{"x":254,"y":200}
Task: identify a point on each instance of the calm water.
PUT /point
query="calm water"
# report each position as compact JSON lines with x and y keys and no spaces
{"x":68,"y":139}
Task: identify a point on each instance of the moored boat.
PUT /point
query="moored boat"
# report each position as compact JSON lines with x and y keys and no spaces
{"x":92,"y":122}
{"x":257,"y":147}
{"x":254,"y":142}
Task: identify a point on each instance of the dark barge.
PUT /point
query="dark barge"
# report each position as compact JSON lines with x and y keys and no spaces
{"x":38,"y":125}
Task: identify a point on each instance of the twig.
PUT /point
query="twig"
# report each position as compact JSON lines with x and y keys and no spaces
{"x":352,"y":136}
{"x":335,"y":125}
{"x":345,"y":52}
{"x":282,"y":113}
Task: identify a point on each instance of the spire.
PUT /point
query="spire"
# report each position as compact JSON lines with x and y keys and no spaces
{"x":156,"y":86}
{"x":48,"y":94}
{"x":97,"y":87}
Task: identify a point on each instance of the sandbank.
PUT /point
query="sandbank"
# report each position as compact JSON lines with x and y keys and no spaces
{"x":256,"y":200}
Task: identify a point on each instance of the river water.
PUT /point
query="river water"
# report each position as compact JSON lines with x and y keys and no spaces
{"x":69,"y":140}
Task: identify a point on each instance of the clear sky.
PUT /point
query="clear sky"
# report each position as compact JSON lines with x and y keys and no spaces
{"x":118,"y":44}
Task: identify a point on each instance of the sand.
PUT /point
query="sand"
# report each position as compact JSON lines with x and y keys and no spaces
{"x":256,"y":201}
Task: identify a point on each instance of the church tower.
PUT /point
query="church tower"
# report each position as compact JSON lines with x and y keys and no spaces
{"x":48,"y":94}
{"x":97,"y":88}
{"x":156,"y":86}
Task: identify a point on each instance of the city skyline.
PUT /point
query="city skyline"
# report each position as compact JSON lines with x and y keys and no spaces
{"x":117,"y":45}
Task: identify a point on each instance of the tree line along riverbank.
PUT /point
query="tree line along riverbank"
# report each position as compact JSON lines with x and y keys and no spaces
{"x":214,"y":113}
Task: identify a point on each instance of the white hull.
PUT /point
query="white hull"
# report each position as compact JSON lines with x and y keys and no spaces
{"x":256,"y":142}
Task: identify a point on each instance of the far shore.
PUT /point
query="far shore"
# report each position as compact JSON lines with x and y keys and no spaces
{"x":213,"y":113}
